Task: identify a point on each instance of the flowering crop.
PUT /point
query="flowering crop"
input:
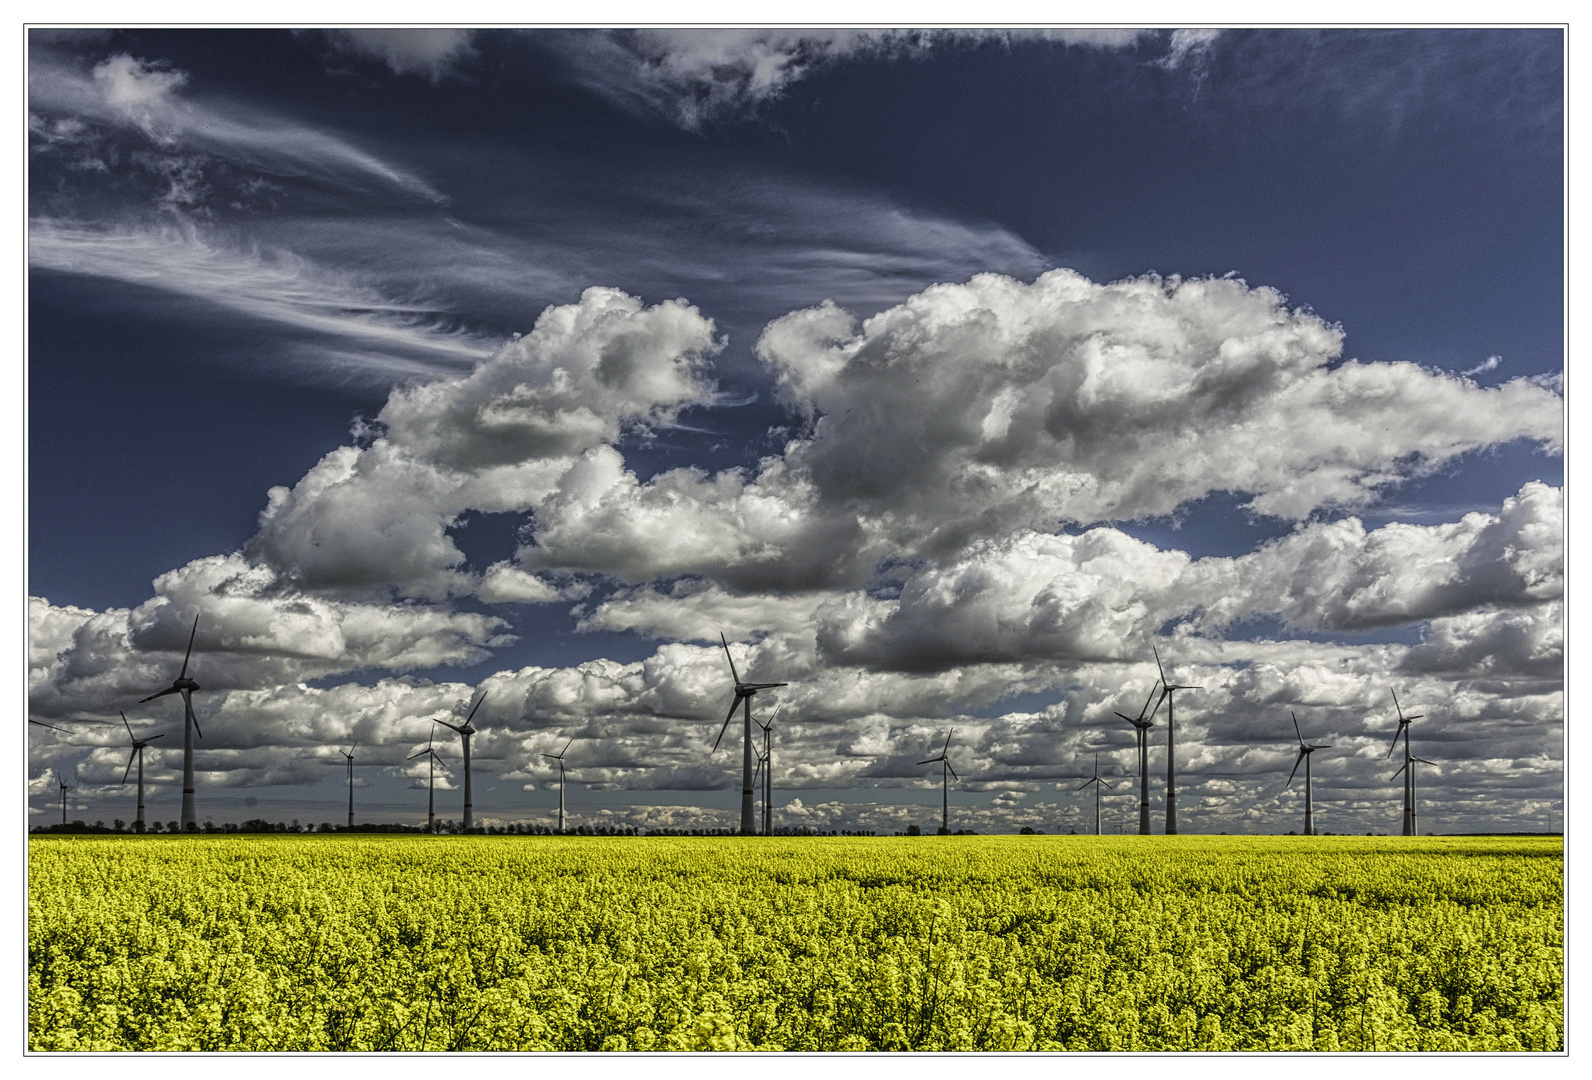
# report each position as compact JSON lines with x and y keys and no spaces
{"x":938,"y":943}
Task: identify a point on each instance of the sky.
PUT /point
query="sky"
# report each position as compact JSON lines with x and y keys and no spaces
{"x":947,"y":374}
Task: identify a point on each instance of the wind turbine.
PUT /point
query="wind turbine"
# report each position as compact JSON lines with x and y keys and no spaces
{"x":743,"y":700}
{"x":431,"y":783}
{"x":465,"y":731}
{"x":1409,"y":760}
{"x":1095,"y":779}
{"x":349,"y":754}
{"x":765,"y":765}
{"x":559,"y":757}
{"x":138,"y":752}
{"x":186,"y":686}
{"x":1305,"y":750}
{"x":1171,"y":777}
{"x":1142,"y":725}
{"x":945,"y":798}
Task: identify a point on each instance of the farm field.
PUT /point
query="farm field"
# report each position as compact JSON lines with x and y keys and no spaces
{"x":812,"y":944}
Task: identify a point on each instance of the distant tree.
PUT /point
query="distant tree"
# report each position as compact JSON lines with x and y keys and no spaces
{"x":172,"y":826}
{"x":913,"y":830}
{"x":119,"y":824}
{"x":1028,"y":830}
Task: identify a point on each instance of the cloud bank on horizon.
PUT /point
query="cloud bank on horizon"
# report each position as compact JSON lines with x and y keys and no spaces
{"x":944,"y":530}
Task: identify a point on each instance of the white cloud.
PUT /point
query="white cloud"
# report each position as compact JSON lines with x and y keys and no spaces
{"x":253,"y":632}
{"x":428,"y":51}
{"x":1339,"y":576}
{"x":697,"y":76}
{"x":499,"y":439}
{"x":128,"y":92}
{"x":995,"y":405}
{"x":389,"y":338}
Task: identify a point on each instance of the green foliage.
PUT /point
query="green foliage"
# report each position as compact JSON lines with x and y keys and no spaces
{"x":310,"y":943}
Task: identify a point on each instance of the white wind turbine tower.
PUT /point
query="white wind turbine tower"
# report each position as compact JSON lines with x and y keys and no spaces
{"x":765,"y":764}
{"x":190,"y":726}
{"x":349,"y":754}
{"x":431,"y":783}
{"x":945,"y":784}
{"x":138,"y":752}
{"x":465,"y":731}
{"x":1408,"y":768}
{"x":1167,"y":690}
{"x":1095,"y":779}
{"x":1409,"y":776}
{"x":1305,"y":750}
{"x":559,"y":757}
{"x":743,"y":700}
{"x":1141,"y":730}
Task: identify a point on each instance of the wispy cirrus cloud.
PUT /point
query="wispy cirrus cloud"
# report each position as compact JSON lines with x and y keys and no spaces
{"x":378,"y":335}
{"x":146,"y":96}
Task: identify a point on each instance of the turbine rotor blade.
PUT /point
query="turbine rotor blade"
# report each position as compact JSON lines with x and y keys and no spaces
{"x":735,"y":674}
{"x":187,"y":708}
{"x":727,"y":720}
{"x":129,"y":768}
{"x":126,"y":725}
{"x":953,"y":771}
{"x":477,"y":705}
{"x":1402,"y":767}
{"x":1142,"y":711}
{"x":163,"y":693}
{"x":41,"y":723}
{"x":189,"y":653}
{"x":1158,"y":666}
{"x":152,"y":738}
{"x":1298,"y":736}
{"x":1295,"y":769}
{"x":1423,"y":761}
{"x":564,"y":751}
{"x":1394,"y":744}
{"x":947,"y":745}
{"x":422,"y":753}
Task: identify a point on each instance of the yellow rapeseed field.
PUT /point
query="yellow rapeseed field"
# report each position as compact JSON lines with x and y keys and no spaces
{"x":932,"y":943}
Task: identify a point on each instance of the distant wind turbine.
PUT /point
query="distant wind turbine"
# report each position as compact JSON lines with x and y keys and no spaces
{"x":465,"y":731}
{"x":945,"y":798}
{"x":1167,"y":690}
{"x":1095,"y":779}
{"x":1408,"y":768}
{"x":64,"y":790}
{"x":1141,"y":726}
{"x":559,"y":757}
{"x":138,"y":752}
{"x":743,"y":700}
{"x":349,"y":754}
{"x":765,"y":765}
{"x":190,"y":726}
{"x":1305,"y":750}
{"x":431,"y":783}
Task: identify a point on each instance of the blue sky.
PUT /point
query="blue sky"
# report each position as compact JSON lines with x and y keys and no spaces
{"x":944,"y":372}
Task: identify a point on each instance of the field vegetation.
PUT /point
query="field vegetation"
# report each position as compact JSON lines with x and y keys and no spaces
{"x":305,"y":943}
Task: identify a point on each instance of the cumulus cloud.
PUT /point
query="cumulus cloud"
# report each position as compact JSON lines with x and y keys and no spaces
{"x":1339,"y":576}
{"x":253,"y":632}
{"x":697,"y":76}
{"x":500,"y":439}
{"x":997,"y":404}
